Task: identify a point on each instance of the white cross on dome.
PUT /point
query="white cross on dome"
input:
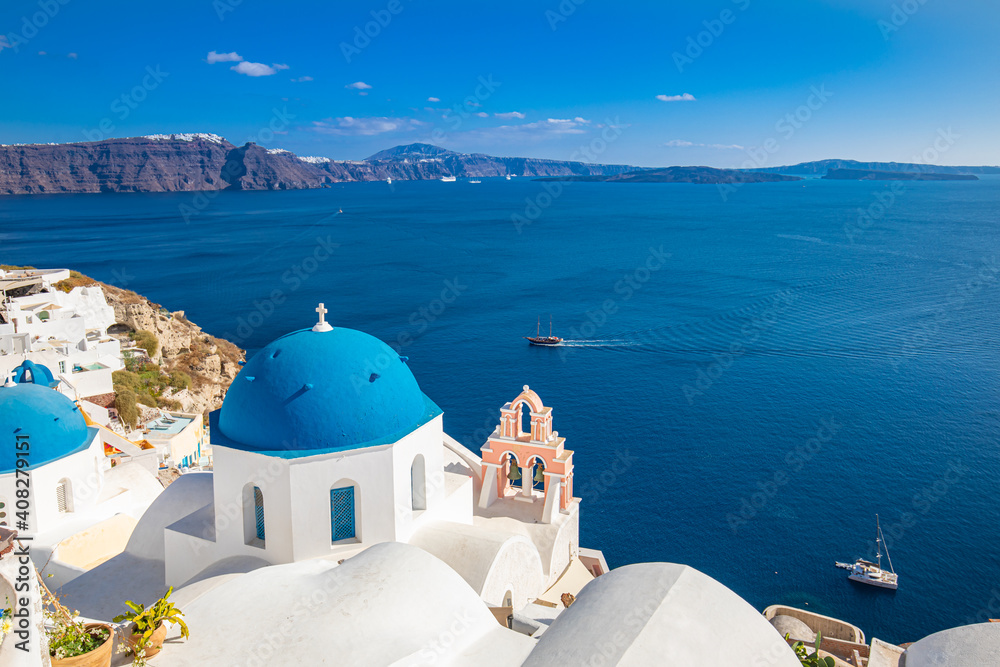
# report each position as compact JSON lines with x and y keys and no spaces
{"x":322,"y":325}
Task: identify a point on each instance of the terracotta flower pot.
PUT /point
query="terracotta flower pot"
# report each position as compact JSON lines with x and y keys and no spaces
{"x":155,"y":642}
{"x":99,"y":657}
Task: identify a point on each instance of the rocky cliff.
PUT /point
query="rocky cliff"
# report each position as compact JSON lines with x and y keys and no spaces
{"x":194,"y":162}
{"x":212,"y":363}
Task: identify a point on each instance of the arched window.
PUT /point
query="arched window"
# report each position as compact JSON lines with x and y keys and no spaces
{"x":253,"y":516}
{"x":258,"y":511}
{"x":64,"y":496}
{"x":418,"y":484}
{"x":525,"y":418}
{"x":342,"y":514}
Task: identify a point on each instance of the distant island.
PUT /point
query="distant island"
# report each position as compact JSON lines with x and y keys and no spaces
{"x":208,"y":162}
{"x":821,"y":167}
{"x":703,"y":175}
{"x":200,"y":162}
{"x":872,"y":175}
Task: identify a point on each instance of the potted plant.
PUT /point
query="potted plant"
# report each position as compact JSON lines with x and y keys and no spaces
{"x":147,"y":625}
{"x":811,"y":659}
{"x":73,"y":643}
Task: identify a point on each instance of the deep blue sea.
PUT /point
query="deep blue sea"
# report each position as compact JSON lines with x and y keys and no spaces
{"x":748,"y":382}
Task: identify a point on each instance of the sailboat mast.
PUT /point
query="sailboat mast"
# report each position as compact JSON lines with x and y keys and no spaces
{"x":878,"y":541}
{"x":538,"y":327}
{"x":550,"y":326}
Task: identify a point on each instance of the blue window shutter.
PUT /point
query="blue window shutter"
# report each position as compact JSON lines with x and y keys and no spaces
{"x":342,"y":513}
{"x":258,"y":506}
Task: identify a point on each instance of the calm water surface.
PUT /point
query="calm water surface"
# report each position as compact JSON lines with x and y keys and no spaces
{"x":747,"y":383}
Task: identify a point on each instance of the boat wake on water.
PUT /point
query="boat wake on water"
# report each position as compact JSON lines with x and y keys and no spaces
{"x":570,"y":342}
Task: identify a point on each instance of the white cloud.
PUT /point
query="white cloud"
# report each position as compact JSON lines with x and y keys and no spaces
{"x":214,"y":57}
{"x":539,"y":130}
{"x":42,"y":53}
{"x":349,"y":126}
{"x":483,"y":114}
{"x":4,"y":44}
{"x":686,"y":97}
{"x":510,"y":115}
{"x":279,"y":66}
{"x":71,"y":55}
{"x":254,"y":69}
{"x":302,"y":79}
{"x":433,"y":99}
{"x":358,"y":85}
{"x":680,"y":143}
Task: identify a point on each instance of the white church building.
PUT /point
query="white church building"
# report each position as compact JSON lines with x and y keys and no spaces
{"x":317,"y":455}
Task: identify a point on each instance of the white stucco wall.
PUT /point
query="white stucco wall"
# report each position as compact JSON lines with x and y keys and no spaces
{"x":491,"y":562}
{"x":85,"y":470}
{"x":296,"y":499}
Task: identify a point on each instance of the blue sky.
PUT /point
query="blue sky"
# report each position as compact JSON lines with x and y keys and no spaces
{"x":723,"y":83}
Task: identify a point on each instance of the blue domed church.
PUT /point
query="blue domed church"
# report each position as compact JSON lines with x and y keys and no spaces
{"x":326,"y":445}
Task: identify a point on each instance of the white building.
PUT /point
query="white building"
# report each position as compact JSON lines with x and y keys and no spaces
{"x":65,"y":332}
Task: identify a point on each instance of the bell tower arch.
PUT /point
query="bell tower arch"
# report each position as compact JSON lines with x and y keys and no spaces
{"x":535,"y":460}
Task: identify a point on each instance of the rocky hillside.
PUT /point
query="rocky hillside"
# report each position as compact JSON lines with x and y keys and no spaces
{"x":194,"y":162}
{"x":212,"y":363}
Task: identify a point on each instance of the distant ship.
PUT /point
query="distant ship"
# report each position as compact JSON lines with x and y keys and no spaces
{"x":866,"y":572}
{"x":538,"y":339}
{"x":475,"y":181}
{"x":389,"y":181}
{"x":508,"y":177}
{"x":448,"y":179}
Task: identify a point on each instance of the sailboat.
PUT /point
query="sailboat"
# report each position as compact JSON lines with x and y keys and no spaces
{"x":389,"y":181}
{"x":866,"y":572}
{"x":539,"y":339}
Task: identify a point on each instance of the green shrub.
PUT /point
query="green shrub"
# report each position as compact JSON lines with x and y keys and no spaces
{"x":180,"y":380}
{"x":126,"y":407}
{"x":132,"y":362}
{"x":146,"y":397}
{"x":147,"y":341}
{"x":126,"y":379}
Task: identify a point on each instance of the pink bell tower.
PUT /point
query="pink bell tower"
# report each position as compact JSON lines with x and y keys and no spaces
{"x":536,"y":460}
